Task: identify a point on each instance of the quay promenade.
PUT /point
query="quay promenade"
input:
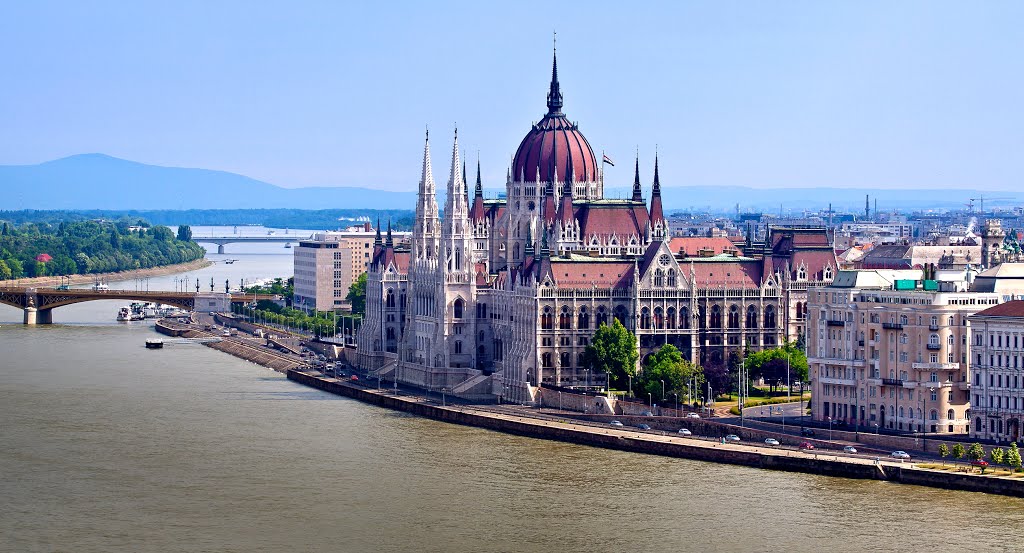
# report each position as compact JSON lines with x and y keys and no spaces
{"x":566,"y":429}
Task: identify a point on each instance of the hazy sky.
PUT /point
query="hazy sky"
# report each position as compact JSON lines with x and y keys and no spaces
{"x":888,"y":93}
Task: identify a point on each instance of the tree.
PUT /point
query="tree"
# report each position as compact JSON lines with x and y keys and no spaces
{"x":975,"y":452}
{"x":613,"y":350}
{"x":357,"y":295}
{"x":943,"y":452}
{"x":959,"y":451}
{"x":668,"y":365}
{"x":184,"y":233}
{"x":997,"y":454}
{"x":1013,"y":456}
{"x":17,"y":270}
{"x":760,"y":364}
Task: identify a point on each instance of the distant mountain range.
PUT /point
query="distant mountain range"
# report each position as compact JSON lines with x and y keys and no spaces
{"x":98,"y":181}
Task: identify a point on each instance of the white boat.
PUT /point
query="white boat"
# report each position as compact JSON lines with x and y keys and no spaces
{"x":100,"y":287}
{"x":124,"y":314}
{"x":138,"y":312}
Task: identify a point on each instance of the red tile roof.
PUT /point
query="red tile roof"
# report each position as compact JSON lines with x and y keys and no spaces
{"x":689,"y":245}
{"x":584,"y":274}
{"x":1009,"y":309}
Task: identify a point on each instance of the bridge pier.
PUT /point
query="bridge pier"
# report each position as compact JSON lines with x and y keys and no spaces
{"x":35,"y":316}
{"x":220,"y":248}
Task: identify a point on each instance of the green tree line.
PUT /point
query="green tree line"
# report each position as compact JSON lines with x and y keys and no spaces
{"x":86,"y":247}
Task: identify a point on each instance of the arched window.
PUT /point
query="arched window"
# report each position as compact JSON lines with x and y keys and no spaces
{"x":564,"y":319}
{"x":620,"y":314}
{"x":801,"y":273}
{"x":672,"y":278}
{"x":659,"y":318}
{"x":828,"y":272}
{"x":934,"y":415}
{"x":933,"y":340}
{"x":579,"y":359}
{"x":515,"y":252}
{"x":480,"y":336}
{"x":903,"y":319}
{"x":564,"y":360}
{"x":670,"y":318}
{"x":799,"y":310}
{"x":460,"y":306}
{"x":716,"y":316}
{"x":390,"y":333}
{"x":950,"y":415}
{"x":751,"y":317}
{"x":769,"y":317}
{"x":583,"y":319}
{"x":602,"y":316}
{"x":659,"y":278}
{"x":645,"y":318}
{"x":458,"y":346}
{"x":734,"y":317}
{"x":545,"y":360}
{"x":389,"y":299}
{"x":547,"y":320}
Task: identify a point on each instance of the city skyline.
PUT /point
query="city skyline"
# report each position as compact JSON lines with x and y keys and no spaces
{"x":913,"y":95}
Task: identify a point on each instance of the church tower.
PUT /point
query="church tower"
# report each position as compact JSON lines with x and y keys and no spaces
{"x":426,"y":228}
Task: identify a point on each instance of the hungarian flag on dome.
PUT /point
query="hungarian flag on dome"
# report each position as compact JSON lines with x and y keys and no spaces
{"x":608,"y":160}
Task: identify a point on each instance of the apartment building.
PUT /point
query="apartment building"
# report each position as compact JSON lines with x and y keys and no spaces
{"x":889,"y":349}
{"x":997,"y":388}
{"x":326,"y":265}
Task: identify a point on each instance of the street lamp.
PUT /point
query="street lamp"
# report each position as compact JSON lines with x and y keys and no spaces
{"x":676,"y":395}
{"x":559,"y":400}
{"x":650,"y":400}
{"x":830,"y":429}
{"x":662,"y":390}
{"x":875,"y":424}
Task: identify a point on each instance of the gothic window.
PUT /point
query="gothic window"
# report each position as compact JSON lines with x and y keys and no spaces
{"x":950,"y":415}
{"x":602,"y":316}
{"x":390,"y":333}
{"x":801,"y":310}
{"x":579,"y":359}
{"x":499,"y":353}
{"x":401,"y":300}
{"x":458,"y":346}
{"x":620,"y":314}
{"x":480,"y":336}
{"x":828,"y":272}
{"x":659,"y":278}
{"x":716,"y":316}
{"x":671,"y":278}
{"x":670,"y":318}
{"x":645,"y":318}
{"x":903,"y":320}
{"x":583,"y":320}
{"x":769,"y":317}
{"x":389,"y":299}
{"x":458,"y":258}
{"x":564,"y":319}
{"x":801,"y":273}
{"x":547,"y":320}
{"x":564,"y":360}
{"x":684,"y":317}
{"x":659,"y":318}
{"x":734,"y":317}
{"x":545,"y":360}
{"x":459,"y":307}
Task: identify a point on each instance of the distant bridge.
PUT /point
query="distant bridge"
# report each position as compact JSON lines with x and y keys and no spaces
{"x":38,"y":303}
{"x":222,"y":240}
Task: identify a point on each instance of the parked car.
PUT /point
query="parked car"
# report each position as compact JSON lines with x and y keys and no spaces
{"x":692,"y":416}
{"x":643,"y":426}
{"x":849,"y":449}
{"x":616,"y":423}
{"x":979,"y":463}
{"x":732,"y":438}
{"x":648,"y":414}
{"x":771,"y":441}
{"x":354,"y":377}
{"x":806,"y":445}
{"x":685,"y":432}
{"x":807,"y":432}
{"x":898,"y":454}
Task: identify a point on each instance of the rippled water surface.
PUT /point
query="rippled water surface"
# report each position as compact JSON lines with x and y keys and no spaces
{"x":107,"y":446}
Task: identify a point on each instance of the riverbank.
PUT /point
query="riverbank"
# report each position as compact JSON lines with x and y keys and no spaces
{"x":75,"y":280}
{"x":665,"y":444}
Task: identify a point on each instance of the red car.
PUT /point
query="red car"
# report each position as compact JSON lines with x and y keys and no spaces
{"x":806,"y":445}
{"x":354,"y":377}
{"x":979,"y":463}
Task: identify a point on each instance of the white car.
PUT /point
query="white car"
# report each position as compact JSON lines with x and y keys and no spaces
{"x":849,"y":449}
{"x":685,"y":432}
{"x":692,"y":416}
{"x":732,"y":438}
{"x":771,"y":441}
{"x":616,"y":423}
{"x":900,"y":455}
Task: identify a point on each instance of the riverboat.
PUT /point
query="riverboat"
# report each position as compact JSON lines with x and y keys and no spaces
{"x":124,"y":314}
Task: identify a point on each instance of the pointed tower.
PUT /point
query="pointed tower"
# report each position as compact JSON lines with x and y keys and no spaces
{"x":659,"y":225}
{"x":637,"y":193}
{"x":456,"y":233}
{"x":477,"y":212}
{"x":426,"y":229}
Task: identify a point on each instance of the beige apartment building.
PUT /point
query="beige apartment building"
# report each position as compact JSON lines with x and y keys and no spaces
{"x":328,"y":263}
{"x":888,"y":349}
{"x":997,"y":385}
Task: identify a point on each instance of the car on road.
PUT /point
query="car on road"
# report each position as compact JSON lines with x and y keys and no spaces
{"x":806,"y":445}
{"x":849,"y":449}
{"x":354,"y":377}
{"x":732,"y":438}
{"x":643,"y":426}
{"x":899,"y":454}
{"x":692,"y":416}
{"x":648,"y":414}
{"x":685,"y":432}
{"x":806,"y":432}
{"x":616,"y":423}
{"x":979,"y":463}
{"x":771,"y":441}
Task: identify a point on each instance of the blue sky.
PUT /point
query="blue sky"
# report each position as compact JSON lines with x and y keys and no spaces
{"x":762,"y":94}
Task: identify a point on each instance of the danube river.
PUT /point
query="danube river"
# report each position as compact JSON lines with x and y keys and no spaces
{"x":106,"y":446}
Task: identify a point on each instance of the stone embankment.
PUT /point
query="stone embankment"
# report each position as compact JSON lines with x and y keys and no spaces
{"x":243,"y":348}
{"x":579,"y":432}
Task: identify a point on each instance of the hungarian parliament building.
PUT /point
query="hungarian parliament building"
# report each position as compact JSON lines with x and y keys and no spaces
{"x":497,"y":297}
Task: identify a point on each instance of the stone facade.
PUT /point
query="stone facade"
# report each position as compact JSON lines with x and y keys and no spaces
{"x":997,"y":384}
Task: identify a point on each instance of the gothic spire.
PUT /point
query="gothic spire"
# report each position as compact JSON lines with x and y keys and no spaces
{"x":376,"y":241}
{"x":656,"y":190}
{"x":637,"y":194}
{"x":479,"y":185}
{"x":554,"y":93}
{"x":657,"y":212}
{"x":528,"y":250}
{"x":390,"y":242}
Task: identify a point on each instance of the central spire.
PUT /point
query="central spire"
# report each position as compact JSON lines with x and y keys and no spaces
{"x":554,"y":94}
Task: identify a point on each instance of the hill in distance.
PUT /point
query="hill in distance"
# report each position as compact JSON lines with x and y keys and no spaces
{"x":98,"y":181}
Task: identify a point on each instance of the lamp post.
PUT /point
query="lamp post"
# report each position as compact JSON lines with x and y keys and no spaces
{"x":676,"y":395}
{"x":875,"y":424}
{"x":830,"y":429}
{"x":559,"y":400}
{"x":662,"y":391}
{"x":630,"y":377}
{"x":650,"y":400}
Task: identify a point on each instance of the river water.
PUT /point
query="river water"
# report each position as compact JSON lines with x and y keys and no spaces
{"x":106,"y":446}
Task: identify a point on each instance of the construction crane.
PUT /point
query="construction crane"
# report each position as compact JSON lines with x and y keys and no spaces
{"x":981,"y":200}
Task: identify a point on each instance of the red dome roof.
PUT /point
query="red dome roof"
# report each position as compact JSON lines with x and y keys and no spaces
{"x":554,"y":144}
